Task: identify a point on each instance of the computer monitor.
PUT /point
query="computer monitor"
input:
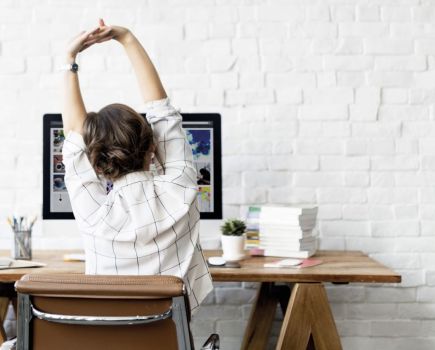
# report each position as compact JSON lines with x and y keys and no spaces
{"x":203,"y":131}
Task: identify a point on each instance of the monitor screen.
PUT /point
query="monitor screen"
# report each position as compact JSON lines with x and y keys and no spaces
{"x":203,"y":131}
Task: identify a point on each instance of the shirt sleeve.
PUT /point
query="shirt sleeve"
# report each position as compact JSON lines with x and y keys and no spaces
{"x":178,"y":176}
{"x":86,"y":190}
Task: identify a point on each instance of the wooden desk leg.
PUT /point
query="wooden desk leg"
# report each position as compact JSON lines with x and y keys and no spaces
{"x":4,"y":304}
{"x":261,"y":319}
{"x":308,"y":315}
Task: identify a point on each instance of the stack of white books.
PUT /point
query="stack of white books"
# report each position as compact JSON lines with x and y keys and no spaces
{"x":252,"y":228}
{"x":288,"y":231}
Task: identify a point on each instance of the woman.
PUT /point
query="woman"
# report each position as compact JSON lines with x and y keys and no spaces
{"x":149,"y":222}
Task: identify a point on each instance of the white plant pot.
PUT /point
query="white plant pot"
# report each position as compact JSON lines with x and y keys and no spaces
{"x":233,"y":247}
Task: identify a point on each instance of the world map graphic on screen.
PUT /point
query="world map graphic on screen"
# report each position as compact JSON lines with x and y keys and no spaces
{"x":200,"y":141}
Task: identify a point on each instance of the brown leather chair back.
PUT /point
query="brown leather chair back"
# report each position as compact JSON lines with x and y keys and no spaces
{"x":72,"y":312}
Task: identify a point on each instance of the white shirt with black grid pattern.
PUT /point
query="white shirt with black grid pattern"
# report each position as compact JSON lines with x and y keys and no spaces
{"x":149,"y":223}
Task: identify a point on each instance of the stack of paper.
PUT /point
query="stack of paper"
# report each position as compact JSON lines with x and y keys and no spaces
{"x":288,"y":231}
{"x":252,"y":227}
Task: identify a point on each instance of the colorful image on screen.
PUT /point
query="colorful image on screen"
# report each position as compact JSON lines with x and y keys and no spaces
{"x":204,"y":199}
{"x":59,"y":200}
{"x":201,"y":142}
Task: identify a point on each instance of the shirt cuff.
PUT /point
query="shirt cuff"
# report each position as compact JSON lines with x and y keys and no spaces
{"x":156,"y":103}
{"x":75,"y":137}
{"x":73,"y":143}
{"x":160,"y":109}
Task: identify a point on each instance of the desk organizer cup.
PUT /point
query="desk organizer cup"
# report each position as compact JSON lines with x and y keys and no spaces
{"x":22,"y":240}
{"x":22,"y":246}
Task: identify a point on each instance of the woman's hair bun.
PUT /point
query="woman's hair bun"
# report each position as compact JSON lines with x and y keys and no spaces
{"x":118,"y":140}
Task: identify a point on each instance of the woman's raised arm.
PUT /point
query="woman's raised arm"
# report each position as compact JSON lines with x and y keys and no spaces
{"x":73,"y":109}
{"x":149,"y":81}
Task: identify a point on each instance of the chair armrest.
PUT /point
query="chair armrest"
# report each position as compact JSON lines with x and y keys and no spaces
{"x":212,"y":343}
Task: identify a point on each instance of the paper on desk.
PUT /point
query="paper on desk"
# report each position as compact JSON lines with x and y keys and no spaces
{"x":7,"y":263}
{"x":294,"y":263}
{"x":284,"y":263}
{"x":74,"y":257}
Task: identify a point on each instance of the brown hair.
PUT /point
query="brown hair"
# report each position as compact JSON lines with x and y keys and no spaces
{"x":118,"y":140}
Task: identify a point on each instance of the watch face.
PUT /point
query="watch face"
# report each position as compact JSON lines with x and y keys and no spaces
{"x":74,"y":67}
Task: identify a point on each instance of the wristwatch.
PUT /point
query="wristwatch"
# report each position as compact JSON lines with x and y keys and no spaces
{"x":73,"y":67}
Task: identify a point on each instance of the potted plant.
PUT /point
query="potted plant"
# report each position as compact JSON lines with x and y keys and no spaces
{"x":233,"y":239}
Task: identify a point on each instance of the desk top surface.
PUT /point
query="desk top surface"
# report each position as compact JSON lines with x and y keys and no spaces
{"x":337,"y":266}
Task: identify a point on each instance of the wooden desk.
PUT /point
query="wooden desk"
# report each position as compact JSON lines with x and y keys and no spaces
{"x":308,"y":322}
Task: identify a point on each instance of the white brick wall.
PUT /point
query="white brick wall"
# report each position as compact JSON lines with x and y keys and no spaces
{"x":328,"y":102}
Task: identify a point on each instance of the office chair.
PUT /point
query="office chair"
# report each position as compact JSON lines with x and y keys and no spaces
{"x":70,"y":312}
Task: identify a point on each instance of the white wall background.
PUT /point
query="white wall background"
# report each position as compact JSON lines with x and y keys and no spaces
{"x":328,"y":102}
